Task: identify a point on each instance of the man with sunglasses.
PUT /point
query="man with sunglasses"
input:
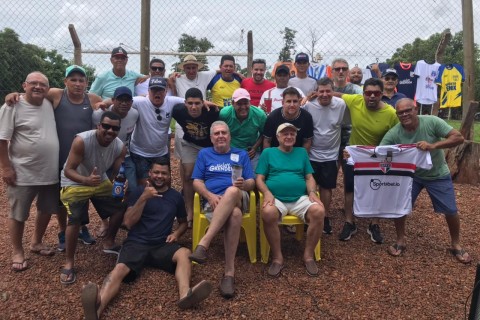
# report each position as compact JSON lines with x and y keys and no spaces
{"x":150,"y":137}
{"x":371,"y":119}
{"x":84,"y":178}
{"x":390,"y":81}
{"x":432,"y":134}
{"x":157,"y":69}
{"x":257,"y":84}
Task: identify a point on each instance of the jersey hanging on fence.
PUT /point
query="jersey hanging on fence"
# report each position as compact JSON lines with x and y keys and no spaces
{"x":384,"y":177}
{"x":450,"y":78}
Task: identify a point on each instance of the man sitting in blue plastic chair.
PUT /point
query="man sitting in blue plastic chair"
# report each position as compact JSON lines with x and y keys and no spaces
{"x":284,"y":176}
{"x":226,"y":197}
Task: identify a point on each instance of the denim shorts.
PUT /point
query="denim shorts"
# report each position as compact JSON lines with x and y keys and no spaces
{"x":143,"y":164}
{"x":441,"y":193}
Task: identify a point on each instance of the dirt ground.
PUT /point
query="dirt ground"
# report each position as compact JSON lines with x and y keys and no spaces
{"x":358,"y":280}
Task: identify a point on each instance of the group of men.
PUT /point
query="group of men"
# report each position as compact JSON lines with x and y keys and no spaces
{"x":289,"y":155}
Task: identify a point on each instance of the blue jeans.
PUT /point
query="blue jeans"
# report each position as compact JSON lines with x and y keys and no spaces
{"x":130,"y":172}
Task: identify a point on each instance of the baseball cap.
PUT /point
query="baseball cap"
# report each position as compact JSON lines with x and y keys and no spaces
{"x":283,"y":69}
{"x":119,"y":51}
{"x":285,"y":125}
{"x":392,"y":72}
{"x":75,"y":68}
{"x":240,"y":94}
{"x":157,"y":82}
{"x":301,"y":57}
{"x":122,"y":91}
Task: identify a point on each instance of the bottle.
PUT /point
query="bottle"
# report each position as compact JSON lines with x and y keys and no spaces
{"x":118,"y":190}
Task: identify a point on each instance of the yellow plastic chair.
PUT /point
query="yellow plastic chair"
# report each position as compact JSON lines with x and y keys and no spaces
{"x":287,"y":220}
{"x":249,"y":225}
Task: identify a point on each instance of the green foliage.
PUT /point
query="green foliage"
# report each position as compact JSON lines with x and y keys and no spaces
{"x":188,"y":43}
{"x":288,"y":49}
{"x":425,"y":50}
{"x":19,"y":59}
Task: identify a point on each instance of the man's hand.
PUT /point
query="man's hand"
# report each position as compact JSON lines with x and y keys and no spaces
{"x":171,"y":238}
{"x":93,"y":179}
{"x":268,"y":199}
{"x":12,"y":98}
{"x":100,"y":105}
{"x":312,"y":196}
{"x":346,"y":155}
{"x":150,"y":192}
{"x":214,"y":200}
{"x":251,"y":153}
{"x":425,"y":146}
{"x":263,"y":107}
{"x":208,"y":104}
{"x":9,"y":176}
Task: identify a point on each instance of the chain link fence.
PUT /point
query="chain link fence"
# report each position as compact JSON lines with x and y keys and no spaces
{"x":362,"y":32}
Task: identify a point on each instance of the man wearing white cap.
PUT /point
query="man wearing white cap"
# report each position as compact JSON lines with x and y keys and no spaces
{"x":284,"y":176}
{"x":390,"y":81}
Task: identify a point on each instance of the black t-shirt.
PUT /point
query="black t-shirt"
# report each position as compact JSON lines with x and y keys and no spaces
{"x":304,"y":122}
{"x":196,"y":130}
{"x":157,"y":217}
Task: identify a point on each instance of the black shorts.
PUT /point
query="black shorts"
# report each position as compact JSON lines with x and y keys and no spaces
{"x":135,"y":256}
{"x":348,"y":176}
{"x":325,"y":173}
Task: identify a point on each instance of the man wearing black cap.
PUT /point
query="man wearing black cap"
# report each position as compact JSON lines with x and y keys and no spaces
{"x":282,"y":74}
{"x":390,"y":81}
{"x":106,"y":83}
{"x":301,"y":79}
{"x":150,"y":138}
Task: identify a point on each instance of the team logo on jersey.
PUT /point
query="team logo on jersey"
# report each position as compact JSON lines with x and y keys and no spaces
{"x":385,"y":165}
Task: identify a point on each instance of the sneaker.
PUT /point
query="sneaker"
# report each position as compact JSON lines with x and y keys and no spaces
{"x":375,"y":234}
{"x":349,"y":229}
{"x":61,"y":241}
{"x":85,"y":236}
{"x":327,"y":227}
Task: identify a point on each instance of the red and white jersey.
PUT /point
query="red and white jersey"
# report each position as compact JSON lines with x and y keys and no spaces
{"x":384,"y":177}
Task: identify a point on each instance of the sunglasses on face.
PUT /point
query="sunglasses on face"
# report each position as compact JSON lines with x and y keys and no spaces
{"x":375,"y":93}
{"x":338,"y":69}
{"x":390,"y":78}
{"x":107,"y":126}
{"x":159,"y":117}
{"x":157,"y":68}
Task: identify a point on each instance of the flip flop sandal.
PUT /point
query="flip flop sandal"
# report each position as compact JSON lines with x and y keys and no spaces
{"x":46,"y":252}
{"x":459,"y":254}
{"x":23,"y":264}
{"x":396,"y":250}
{"x":89,"y":301}
{"x":71,"y":276}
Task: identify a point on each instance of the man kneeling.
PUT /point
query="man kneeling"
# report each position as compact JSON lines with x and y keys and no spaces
{"x":149,"y":217}
{"x":284,"y":176}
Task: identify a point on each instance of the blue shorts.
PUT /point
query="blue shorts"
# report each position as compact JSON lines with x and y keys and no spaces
{"x":441,"y":193}
{"x":143,"y":164}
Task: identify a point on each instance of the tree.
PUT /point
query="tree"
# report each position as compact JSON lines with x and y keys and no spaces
{"x":289,"y":44}
{"x":188,"y":43}
{"x":425,"y":50}
{"x":311,"y":47}
{"x":19,"y":59}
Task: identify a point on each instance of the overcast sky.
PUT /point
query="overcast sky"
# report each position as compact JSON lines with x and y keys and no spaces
{"x":359,"y":30}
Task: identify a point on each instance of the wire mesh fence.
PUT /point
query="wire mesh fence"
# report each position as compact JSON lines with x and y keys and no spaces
{"x":362,"y":32}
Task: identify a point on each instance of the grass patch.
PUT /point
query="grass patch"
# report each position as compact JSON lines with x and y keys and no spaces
{"x":476,"y":130}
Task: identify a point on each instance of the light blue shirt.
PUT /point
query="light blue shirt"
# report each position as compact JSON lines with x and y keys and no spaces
{"x":106,"y":83}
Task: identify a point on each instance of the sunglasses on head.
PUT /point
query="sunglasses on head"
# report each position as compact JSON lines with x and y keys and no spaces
{"x":159,"y":117}
{"x":375,"y":93}
{"x":338,"y":69}
{"x":157,"y":68}
{"x":107,"y":126}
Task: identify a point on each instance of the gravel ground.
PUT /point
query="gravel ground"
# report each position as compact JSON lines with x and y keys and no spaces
{"x":358,"y":280}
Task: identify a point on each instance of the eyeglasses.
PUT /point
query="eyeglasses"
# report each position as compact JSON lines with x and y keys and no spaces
{"x":157,"y":68}
{"x":259,"y":61}
{"x":375,"y":93}
{"x":390,"y":78}
{"x":159,"y":117}
{"x":404,"y":112}
{"x":338,"y":69}
{"x":107,"y":126}
{"x":37,"y":84}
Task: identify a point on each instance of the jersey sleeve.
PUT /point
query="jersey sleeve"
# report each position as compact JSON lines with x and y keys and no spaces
{"x":423,"y":160}
{"x":438,"y":79}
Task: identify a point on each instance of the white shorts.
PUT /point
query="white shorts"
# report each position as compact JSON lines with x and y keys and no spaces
{"x":189,"y":152}
{"x":178,"y":141}
{"x":207,"y":208}
{"x":298,"y":208}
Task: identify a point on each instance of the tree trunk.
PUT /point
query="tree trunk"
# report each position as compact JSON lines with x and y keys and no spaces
{"x":464,"y":162}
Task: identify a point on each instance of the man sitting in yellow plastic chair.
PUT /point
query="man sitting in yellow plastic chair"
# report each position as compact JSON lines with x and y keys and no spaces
{"x":222,"y":176}
{"x":284,"y":176}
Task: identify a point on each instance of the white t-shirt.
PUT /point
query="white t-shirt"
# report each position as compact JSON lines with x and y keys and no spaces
{"x":327,"y":125}
{"x":276,"y":95}
{"x":33,"y":149}
{"x":307,"y":85}
{"x":384,"y":177}
{"x":201,"y":82}
{"x":126,"y":126}
{"x":150,"y":137}
{"x":141,"y":89}
{"x":426,"y":92}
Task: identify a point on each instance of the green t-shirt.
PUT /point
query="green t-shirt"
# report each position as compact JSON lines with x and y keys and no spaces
{"x":244,"y":134}
{"x":430,"y":129}
{"x":368,"y":127}
{"x":285,"y":172}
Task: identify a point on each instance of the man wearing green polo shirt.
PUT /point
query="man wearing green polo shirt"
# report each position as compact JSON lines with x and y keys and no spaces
{"x":246,"y":124}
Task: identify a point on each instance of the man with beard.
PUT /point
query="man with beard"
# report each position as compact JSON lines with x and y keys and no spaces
{"x":84,"y":179}
{"x":257,"y":84}
{"x":151,"y":241}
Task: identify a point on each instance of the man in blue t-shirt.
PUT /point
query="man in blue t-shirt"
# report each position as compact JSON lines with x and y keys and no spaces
{"x":149,"y":217}
{"x":226,"y":197}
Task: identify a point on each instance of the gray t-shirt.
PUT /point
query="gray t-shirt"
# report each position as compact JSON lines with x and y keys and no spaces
{"x":34,"y":147}
{"x":126,"y":126}
{"x":327,"y":124}
{"x":307,"y":85}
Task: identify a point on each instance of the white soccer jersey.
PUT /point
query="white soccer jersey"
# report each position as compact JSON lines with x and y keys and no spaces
{"x":384,"y":178}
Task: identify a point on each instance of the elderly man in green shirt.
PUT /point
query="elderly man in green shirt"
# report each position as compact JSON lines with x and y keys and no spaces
{"x":246,"y":124}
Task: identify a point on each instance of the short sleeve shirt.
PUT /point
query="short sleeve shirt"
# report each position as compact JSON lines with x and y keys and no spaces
{"x":106,"y":83}
{"x":256,"y":90}
{"x":196,"y":130}
{"x":303,"y":122}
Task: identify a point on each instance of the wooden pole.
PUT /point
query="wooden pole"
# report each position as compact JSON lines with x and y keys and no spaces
{"x":468,"y":56}
{"x":145,"y":37}
{"x":77,"y":51}
{"x":249,"y":53}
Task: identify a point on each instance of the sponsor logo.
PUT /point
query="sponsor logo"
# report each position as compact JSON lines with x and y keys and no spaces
{"x":225,"y":167}
{"x":376,"y":184}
